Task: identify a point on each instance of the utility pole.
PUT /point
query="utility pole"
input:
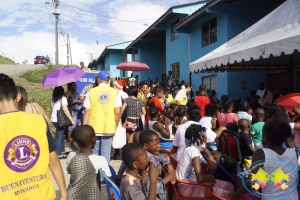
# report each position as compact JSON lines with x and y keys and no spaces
{"x":68,"y":47}
{"x":70,"y":50}
{"x":56,"y":13}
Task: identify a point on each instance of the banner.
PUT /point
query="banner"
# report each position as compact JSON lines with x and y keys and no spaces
{"x":85,"y":83}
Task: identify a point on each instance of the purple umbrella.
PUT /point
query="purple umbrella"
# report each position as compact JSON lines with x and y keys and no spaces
{"x":62,"y":76}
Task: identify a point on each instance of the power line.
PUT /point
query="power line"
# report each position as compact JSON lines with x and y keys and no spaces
{"x":132,"y":21}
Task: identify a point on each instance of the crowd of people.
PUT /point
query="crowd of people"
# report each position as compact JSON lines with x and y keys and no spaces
{"x":171,"y":135}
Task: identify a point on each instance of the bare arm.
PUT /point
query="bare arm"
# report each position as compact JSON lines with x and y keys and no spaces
{"x":220,"y":131}
{"x":66,"y":111}
{"x":210,"y":159}
{"x":86,"y":116}
{"x":123,"y":108}
{"x":251,"y":148}
{"x":58,"y":175}
{"x":214,"y":123}
{"x":42,"y":112}
{"x":199,"y":176}
{"x":163,"y":130}
{"x":117,"y":115}
{"x":143,"y":110}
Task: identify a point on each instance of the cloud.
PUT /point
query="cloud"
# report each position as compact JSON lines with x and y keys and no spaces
{"x":30,"y":44}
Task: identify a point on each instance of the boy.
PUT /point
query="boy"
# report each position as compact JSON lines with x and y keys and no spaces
{"x":257,"y":127}
{"x":158,"y":92}
{"x":84,"y":166}
{"x":150,"y":140}
{"x":27,"y":150}
{"x":246,"y":142}
{"x":132,"y":185}
{"x":202,"y":100}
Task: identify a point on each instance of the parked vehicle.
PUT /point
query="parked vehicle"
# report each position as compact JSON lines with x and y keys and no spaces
{"x":40,"y":60}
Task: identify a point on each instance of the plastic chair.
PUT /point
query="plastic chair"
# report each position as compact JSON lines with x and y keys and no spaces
{"x":225,"y":138}
{"x":113,"y":172}
{"x":111,"y":185}
{"x":222,"y":174}
{"x":216,"y":197}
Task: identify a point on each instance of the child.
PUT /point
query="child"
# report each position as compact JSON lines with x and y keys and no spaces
{"x":275,"y":132}
{"x":132,"y":184}
{"x":158,"y":92}
{"x":180,"y":117}
{"x":150,"y":140}
{"x":243,"y":111}
{"x":257,"y":127}
{"x":173,"y":108}
{"x":84,"y":166}
{"x":210,"y":116}
{"x":202,"y":100}
{"x":246,"y":142}
{"x":168,"y":97}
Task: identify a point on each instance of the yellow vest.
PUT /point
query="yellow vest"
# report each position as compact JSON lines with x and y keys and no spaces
{"x":24,"y":168}
{"x":183,"y":99}
{"x":102,"y":111}
{"x":143,"y":98}
{"x":170,"y":99}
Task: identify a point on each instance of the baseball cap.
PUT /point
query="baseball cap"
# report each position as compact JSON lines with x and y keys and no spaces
{"x":104,"y":75}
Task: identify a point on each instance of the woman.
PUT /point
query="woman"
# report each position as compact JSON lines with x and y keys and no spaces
{"x":33,"y":108}
{"x":227,"y":116}
{"x":181,"y":97}
{"x":75,"y":105}
{"x":163,"y":127}
{"x":58,"y":101}
{"x":144,"y":94}
{"x":134,"y":107}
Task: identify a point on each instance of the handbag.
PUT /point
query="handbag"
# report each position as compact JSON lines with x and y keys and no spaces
{"x":119,"y":139}
{"x":62,"y":119}
{"x":130,"y":125}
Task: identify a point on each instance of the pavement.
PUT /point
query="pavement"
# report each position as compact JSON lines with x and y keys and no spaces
{"x":114,"y":163}
{"x":16,"y":70}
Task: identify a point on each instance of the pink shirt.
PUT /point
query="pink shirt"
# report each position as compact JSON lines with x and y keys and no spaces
{"x":225,"y":118}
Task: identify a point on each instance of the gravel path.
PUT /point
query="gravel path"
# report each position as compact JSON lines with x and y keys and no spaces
{"x":16,"y":70}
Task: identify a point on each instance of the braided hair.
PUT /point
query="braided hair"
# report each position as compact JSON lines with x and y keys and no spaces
{"x":194,"y":134}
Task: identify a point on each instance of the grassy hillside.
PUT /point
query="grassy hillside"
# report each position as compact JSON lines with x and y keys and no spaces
{"x":4,"y":60}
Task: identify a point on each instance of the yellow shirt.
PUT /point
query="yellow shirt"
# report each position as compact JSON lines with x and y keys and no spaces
{"x":102,"y":111}
{"x":24,"y":168}
{"x":182,"y":99}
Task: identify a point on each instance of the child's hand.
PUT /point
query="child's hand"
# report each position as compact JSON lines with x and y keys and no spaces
{"x":212,"y":165}
{"x":171,"y":177}
{"x":296,"y":110}
{"x":153,"y":173}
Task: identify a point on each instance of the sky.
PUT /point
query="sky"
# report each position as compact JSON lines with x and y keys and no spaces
{"x":27,"y":28}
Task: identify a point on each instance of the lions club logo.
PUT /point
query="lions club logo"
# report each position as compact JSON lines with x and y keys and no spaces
{"x":21,"y":153}
{"x":103,"y":97}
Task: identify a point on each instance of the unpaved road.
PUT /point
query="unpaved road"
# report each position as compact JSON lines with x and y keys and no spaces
{"x":17,"y":70}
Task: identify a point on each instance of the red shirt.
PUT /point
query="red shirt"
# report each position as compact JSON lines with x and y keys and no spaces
{"x":202,"y":101}
{"x":158,"y":104}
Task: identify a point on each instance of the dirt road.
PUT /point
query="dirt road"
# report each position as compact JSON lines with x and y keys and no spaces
{"x":16,"y":70}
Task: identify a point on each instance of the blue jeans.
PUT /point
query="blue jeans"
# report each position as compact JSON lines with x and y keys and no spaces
{"x":103,"y":146}
{"x":212,"y":146}
{"x":60,"y":140}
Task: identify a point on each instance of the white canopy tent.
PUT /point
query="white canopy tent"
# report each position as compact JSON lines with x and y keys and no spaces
{"x":272,"y":43}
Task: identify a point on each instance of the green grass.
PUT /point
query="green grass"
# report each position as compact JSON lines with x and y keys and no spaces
{"x":5,"y":60}
{"x":43,"y":98}
{"x":37,"y":76}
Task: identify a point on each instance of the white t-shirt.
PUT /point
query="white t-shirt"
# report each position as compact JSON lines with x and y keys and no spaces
{"x":206,"y":121}
{"x":130,"y":81}
{"x":179,"y":94}
{"x":99,"y":162}
{"x":211,"y":135}
{"x":123,"y":94}
{"x":179,"y":139}
{"x":185,"y":169}
{"x":56,"y":106}
{"x":261,"y":94}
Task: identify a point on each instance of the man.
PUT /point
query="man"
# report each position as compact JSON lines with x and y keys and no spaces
{"x":47,"y":60}
{"x":202,"y":100}
{"x":102,"y":110}
{"x":28,"y":150}
{"x":131,"y":81}
{"x":262,"y":93}
{"x":83,"y":67}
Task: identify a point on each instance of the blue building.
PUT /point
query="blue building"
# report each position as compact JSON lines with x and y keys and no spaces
{"x":184,"y":33}
{"x":109,"y":59}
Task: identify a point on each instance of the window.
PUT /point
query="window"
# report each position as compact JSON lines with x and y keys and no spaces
{"x":176,"y":71}
{"x":136,"y":55}
{"x":174,"y":35}
{"x":210,"y":82}
{"x":209,"y":32}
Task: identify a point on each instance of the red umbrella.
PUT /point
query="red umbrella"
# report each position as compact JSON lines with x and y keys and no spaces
{"x":133,"y":66}
{"x":289,"y":101}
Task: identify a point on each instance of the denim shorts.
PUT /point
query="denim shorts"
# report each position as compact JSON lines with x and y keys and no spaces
{"x":77,"y":118}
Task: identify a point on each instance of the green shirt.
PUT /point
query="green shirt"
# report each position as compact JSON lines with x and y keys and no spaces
{"x":256,"y":130}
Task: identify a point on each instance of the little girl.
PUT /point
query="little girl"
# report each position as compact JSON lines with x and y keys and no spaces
{"x":180,"y":117}
{"x":209,"y":120}
{"x":275,"y":132}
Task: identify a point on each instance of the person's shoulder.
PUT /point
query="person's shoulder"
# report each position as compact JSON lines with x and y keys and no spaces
{"x":97,"y":157}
